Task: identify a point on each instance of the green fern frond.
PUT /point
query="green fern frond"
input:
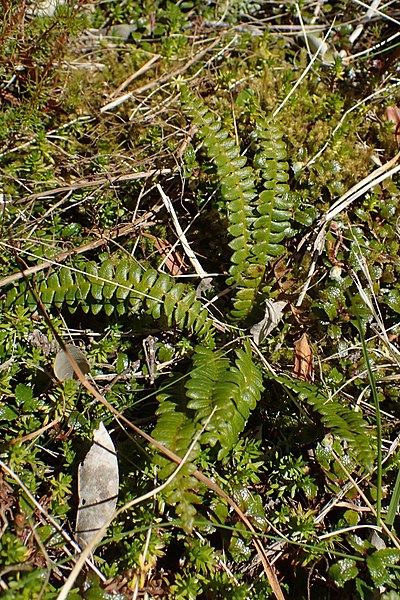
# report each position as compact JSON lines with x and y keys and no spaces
{"x":274,"y":203}
{"x":231,"y":391}
{"x":123,"y":287}
{"x":177,"y":431}
{"x":257,"y":223}
{"x":238,"y":190}
{"x":344,"y":422}
{"x":218,"y":400}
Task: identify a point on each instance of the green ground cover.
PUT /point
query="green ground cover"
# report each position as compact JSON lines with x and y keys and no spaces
{"x":203,"y":197}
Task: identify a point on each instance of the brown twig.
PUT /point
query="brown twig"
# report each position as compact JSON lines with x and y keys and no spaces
{"x":96,"y":182}
{"x":106,"y":237}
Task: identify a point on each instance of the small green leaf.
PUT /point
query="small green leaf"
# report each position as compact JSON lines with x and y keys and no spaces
{"x":343,"y":570}
{"x":23,"y":394}
{"x":7,"y":413}
{"x":392,"y":299}
{"x":378,"y":564}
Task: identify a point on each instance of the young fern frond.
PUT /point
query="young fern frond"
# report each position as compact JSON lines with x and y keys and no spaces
{"x":344,"y":422}
{"x":218,"y":400}
{"x":123,"y":287}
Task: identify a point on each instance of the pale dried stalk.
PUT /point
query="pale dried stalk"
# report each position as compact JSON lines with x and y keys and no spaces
{"x":136,"y":74}
{"x":158,"y":82}
{"x":182,"y":238}
{"x":96,"y":182}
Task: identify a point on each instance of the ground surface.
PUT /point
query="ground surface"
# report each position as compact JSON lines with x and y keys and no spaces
{"x":202,"y":197}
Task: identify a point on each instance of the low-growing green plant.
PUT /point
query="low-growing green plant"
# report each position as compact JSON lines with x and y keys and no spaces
{"x":101,"y":102}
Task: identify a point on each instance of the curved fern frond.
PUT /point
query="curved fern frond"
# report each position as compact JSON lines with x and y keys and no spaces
{"x":230,"y":391}
{"x":123,"y":287}
{"x":218,"y":400}
{"x":344,"y":422}
{"x":177,"y":432}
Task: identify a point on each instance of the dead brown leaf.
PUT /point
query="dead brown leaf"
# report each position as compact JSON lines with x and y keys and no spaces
{"x":303,"y":368}
{"x":393,"y":114}
{"x":282,"y":276}
{"x":172,"y":259}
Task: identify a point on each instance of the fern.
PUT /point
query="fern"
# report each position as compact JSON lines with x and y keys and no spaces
{"x":176,"y":431}
{"x":124,"y":288}
{"x":274,"y":203}
{"x":238,"y":189}
{"x":233,"y":391}
{"x":257,"y":223}
{"x":346,"y":423}
{"x":218,"y":400}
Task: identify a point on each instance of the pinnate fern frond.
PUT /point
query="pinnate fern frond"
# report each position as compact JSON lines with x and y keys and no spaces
{"x":231,"y":390}
{"x":258,"y":223}
{"x":238,"y":190}
{"x":177,"y":432}
{"x":216,"y":405}
{"x":343,"y":421}
{"x":122,"y":286}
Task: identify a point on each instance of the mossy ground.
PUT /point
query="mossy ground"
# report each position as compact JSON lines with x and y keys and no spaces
{"x":74,"y":173}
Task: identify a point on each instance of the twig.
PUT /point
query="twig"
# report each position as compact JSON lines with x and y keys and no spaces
{"x":106,"y":237}
{"x":158,"y":82}
{"x":97,"y":182}
{"x":362,"y":187}
{"x":182,"y":238}
{"x":370,"y":50}
{"x":370,"y":13}
{"x":345,"y":115}
{"x":310,"y":64}
{"x":136,"y":74}
{"x":49,"y":134}
{"x":377,"y":12}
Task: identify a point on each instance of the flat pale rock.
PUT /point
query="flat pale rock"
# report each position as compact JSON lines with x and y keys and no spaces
{"x":98,"y":484}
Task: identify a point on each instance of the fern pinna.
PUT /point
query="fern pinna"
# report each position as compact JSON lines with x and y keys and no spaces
{"x":257,"y":222}
{"x":122,"y":286}
{"x":215,"y":405}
